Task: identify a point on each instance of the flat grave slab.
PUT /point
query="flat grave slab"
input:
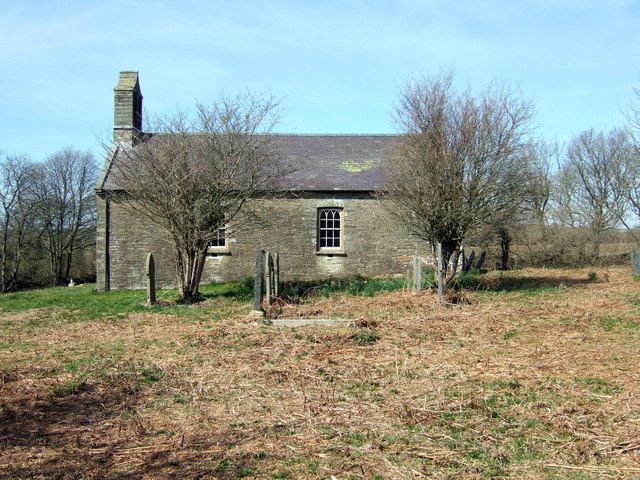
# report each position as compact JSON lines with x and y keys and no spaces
{"x":319,"y":322}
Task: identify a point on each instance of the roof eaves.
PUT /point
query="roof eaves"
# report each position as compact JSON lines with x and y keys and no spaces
{"x":106,"y":168}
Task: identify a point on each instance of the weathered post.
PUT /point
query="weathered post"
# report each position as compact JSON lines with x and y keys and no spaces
{"x":635,"y":261}
{"x":271,"y":276}
{"x":417,"y":274}
{"x":276,"y":275}
{"x":151,"y":280}
{"x":441,"y":274}
{"x":257,"y":286}
{"x":268,"y":287}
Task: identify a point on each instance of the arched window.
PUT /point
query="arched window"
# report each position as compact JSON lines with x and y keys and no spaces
{"x":330,"y":229}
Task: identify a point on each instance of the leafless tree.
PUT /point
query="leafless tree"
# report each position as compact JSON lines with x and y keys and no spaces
{"x":67,"y":207}
{"x":588,"y":193}
{"x":532,"y":233}
{"x":543,"y":156}
{"x":17,"y":215}
{"x":528,"y":211}
{"x":463,"y":159}
{"x":631,"y":179}
{"x":631,"y":185}
{"x":194,"y":176}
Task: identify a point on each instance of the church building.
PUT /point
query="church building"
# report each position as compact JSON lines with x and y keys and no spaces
{"x":330,"y":224}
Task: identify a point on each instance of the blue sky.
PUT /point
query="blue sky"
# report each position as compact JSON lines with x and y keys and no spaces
{"x":337,"y":65}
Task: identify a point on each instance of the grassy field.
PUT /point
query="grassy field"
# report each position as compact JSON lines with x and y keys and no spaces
{"x":532,"y":374}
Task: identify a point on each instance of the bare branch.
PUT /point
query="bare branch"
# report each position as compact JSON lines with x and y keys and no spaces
{"x":463,"y":161}
{"x":193,"y":176}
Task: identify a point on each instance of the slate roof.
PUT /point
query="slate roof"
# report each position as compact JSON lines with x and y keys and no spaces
{"x":325,"y":163}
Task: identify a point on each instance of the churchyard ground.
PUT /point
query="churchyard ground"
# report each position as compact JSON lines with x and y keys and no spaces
{"x":531,"y":374}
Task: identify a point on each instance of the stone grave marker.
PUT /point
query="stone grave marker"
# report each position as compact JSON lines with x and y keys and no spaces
{"x":151,"y":280}
{"x":635,"y":261}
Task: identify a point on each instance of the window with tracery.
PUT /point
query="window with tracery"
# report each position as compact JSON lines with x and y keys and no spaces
{"x":330,"y":229}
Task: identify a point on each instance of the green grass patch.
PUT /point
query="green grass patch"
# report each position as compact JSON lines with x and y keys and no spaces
{"x":616,"y":324}
{"x":510,"y":334}
{"x":61,"y":305}
{"x":357,"y":285}
{"x":598,"y":385}
{"x":365,"y":336}
{"x":634,"y":300}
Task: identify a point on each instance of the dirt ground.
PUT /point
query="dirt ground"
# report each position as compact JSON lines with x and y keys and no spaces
{"x":532,"y":374}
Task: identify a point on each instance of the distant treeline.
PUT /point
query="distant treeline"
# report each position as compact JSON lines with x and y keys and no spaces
{"x":47,"y":219}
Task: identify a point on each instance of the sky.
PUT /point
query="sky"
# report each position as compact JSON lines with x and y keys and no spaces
{"x":336,"y":65}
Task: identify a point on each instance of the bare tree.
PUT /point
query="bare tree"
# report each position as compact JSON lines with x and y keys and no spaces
{"x":194,"y":176}
{"x":17,"y":216}
{"x":631,"y":184}
{"x":631,"y":178}
{"x":543,"y":155}
{"x":589,"y":194}
{"x":463,"y":160}
{"x":526,"y":210}
{"x":67,"y":207}
{"x":543,"y":240}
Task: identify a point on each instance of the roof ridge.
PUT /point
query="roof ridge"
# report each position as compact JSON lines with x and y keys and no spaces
{"x":337,"y":134}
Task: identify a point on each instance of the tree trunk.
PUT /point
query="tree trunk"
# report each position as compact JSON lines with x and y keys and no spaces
{"x":450,"y":257}
{"x":5,"y":242}
{"x":597,"y":241}
{"x":190,"y":265}
{"x":3,"y":270}
{"x":67,"y":268}
{"x":452,"y":267}
{"x":505,"y":245}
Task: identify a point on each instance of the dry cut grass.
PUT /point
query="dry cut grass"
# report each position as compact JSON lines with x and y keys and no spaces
{"x":536,"y":376}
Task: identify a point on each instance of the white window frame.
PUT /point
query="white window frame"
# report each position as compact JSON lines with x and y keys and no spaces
{"x":326,"y":229}
{"x":221,"y":243}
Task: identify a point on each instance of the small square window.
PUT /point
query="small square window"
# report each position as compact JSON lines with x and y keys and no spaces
{"x":219,"y":243}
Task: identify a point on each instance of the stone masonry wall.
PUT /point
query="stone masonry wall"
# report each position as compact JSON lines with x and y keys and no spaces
{"x":373,"y":245}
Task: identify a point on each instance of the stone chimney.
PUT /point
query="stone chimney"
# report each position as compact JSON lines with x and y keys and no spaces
{"x":127,"y":124}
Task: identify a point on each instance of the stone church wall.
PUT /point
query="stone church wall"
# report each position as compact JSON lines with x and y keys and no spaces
{"x":373,"y":245}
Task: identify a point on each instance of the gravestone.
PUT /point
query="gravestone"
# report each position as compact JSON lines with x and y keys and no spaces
{"x":469,"y":263}
{"x":151,"y":280}
{"x":276,"y":275}
{"x":441,"y":273}
{"x":272,"y":276}
{"x":483,"y":255}
{"x":257,"y":285}
{"x":417,"y":274}
{"x":635,"y":261}
{"x":268,"y":279}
